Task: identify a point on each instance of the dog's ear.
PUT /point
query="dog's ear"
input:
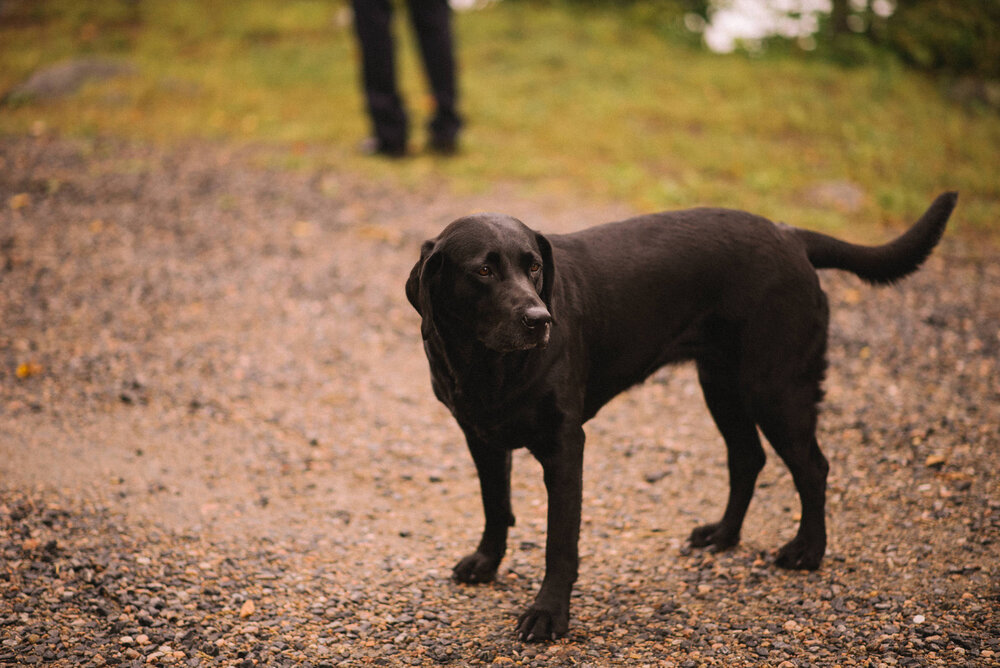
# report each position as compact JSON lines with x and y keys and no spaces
{"x":420,"y":285}
{"x":548,"y":269}
{"x":413,"y":282}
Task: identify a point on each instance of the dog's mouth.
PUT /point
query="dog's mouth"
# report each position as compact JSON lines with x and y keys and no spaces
{"x":526,"y":339}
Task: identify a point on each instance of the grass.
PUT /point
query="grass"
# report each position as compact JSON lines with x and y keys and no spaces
{"x":590,"y":105}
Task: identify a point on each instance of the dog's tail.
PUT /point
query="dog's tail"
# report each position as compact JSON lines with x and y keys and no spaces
{"x":887,"y":263}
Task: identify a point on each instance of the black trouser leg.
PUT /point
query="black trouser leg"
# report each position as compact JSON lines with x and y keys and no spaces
{"x":432,"y":24}
{"x":373,"y":23}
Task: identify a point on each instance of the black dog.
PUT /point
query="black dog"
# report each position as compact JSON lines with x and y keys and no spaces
{"x":528,"y":336}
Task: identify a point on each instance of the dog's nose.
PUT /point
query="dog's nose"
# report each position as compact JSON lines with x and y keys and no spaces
{"x":536,"y":316}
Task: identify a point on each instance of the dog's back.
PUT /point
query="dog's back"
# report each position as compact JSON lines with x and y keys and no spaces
{"x":674,"y":286}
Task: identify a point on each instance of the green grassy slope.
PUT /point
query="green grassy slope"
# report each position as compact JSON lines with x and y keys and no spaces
{"x":586,"y":105}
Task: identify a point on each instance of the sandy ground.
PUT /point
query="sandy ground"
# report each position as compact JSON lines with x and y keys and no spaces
{"x":218,"y":446}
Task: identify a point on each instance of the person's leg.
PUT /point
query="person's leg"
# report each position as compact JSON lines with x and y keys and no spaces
{"x":373,"y":23}
{"x":432,"y":24}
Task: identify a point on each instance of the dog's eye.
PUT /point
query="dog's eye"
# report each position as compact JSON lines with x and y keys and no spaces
{"x":534,"y":268}
{"x":484,"y":271}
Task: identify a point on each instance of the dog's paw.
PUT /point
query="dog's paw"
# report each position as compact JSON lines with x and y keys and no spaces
{"x":801,"y":555}
{"x":476,"y":568}
{"x":714,"y":535}
{"x":539,"y":624}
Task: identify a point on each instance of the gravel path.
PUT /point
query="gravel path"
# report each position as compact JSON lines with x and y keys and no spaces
{"x":218,"y":446}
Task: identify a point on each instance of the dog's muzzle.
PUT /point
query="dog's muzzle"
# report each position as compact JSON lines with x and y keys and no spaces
{"x":538,"y":321}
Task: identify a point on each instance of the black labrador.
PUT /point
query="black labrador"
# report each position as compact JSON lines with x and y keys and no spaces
{"x":527,"y":337}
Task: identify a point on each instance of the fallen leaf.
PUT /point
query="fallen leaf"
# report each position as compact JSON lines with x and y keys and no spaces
{"x":380,"y":233}
{"x":248,"y":609}
{"x":934,"y":461}
{"x":303,"y":229}
{"x":19,"y":201}
{"x":28,"y":369}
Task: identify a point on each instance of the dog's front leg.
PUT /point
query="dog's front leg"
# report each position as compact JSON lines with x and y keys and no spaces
{"x":493,"y":466}
{"x":548,"y":616}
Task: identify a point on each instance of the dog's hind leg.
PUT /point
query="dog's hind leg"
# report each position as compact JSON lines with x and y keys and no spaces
{"x":789,"y":423}
{"x":745,"y":454}
{"x":783,"y":369}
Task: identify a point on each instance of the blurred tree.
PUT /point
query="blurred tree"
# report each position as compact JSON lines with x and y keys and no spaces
{"x":838,"y":16}
{"x":690,"y":5}
{"x":646,"y":7}
{"x":957,"y":37}
{"x":673,"y":19}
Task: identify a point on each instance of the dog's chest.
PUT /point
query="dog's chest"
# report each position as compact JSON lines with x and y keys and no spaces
{"x":502,"y":401}
{"x":510,"y":426}
{"x":507,"y":418}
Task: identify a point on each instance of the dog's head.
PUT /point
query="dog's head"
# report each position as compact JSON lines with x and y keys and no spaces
{"x":489,"y":277}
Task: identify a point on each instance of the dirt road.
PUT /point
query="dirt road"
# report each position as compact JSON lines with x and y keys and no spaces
{"x":218,"y":446}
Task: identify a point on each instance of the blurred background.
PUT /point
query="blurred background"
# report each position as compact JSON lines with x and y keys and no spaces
{"x":824,"y":113}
